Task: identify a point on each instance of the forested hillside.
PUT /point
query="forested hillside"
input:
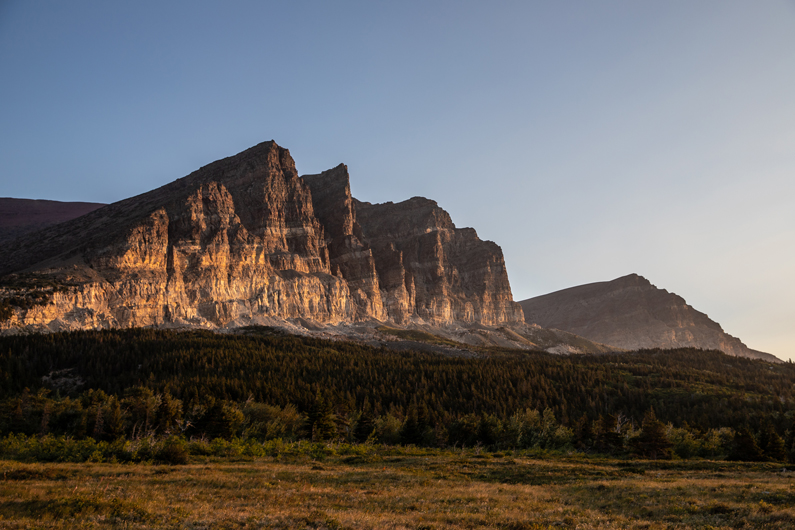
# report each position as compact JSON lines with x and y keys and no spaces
{"x":264,"y":385}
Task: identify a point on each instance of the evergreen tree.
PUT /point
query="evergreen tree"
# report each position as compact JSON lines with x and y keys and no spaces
{"x":365,"y":424}
{"x":653,"y":440}
{"x":744,"y":447}
{"x":771,"y":444}
{"x":320,"y":419}
{"x":789,"y":443}
{"x":142,"y":406}
{"x":609,"y":439}
{"x":19,"y":419}
{"x":169,"y":413}
{"x":114,"y":419}
{"x":414,"y":425}
{"x":223,"y":420}
{"x":423,"y":419}
{"x":489,"y":428}
{"x":583,"y":433}
{"x":127,"y":377}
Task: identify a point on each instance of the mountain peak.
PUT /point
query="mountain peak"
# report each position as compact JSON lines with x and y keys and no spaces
{"x":631,"y":313}
{"x":631,"y":279}
{"x":245,"y":239}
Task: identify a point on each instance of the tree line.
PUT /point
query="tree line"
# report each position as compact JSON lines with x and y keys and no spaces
{"x":265,"y":385}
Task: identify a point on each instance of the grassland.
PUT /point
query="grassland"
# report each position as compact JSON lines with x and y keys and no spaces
{"x":399,"y":488}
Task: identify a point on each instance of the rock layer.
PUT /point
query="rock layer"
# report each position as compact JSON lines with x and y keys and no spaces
{"x":631,"y":313}
{"x":246,"y":238}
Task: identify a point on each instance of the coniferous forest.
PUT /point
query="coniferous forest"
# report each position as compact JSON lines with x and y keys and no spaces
{"x":263,"y":385}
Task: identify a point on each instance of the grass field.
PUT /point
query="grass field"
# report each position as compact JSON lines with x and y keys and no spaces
{"x":399,"y":488}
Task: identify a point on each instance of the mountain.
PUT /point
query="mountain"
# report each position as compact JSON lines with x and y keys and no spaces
{"x":245,"y":240}
{"x":20,"y":216}
{"x":444,"y":273}
{"x":631,"y":313}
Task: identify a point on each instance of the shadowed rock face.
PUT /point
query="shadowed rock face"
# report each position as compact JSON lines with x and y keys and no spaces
{"x":631,"y":313}
{"x":349,"y":257}
{"x":429,"y":268}
{"x":21,"y":216}
{"x":245,"y":239}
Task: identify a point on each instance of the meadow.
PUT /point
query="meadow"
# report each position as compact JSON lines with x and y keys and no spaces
{"x":328,"y":486}
{"x":148,"y":428}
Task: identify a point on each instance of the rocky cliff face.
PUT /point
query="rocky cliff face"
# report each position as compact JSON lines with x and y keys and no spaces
{"x":631,"y":313}
{"x":245,"y":239}
{"x":349,"y":257}
{"x":429,"y":268}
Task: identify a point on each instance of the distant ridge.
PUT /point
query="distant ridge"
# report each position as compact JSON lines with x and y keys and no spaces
{"x":20,"y":216}
{"x":631,"y":313}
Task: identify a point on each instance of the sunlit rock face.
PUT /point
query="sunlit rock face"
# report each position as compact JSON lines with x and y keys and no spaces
{"x":245,"y":239}
{"x":631,"y":313}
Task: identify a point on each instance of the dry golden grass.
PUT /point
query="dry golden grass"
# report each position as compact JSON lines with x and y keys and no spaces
{"x":413,"y":490}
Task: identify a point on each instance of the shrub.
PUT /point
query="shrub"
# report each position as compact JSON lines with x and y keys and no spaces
{"x":387,"y":429}
{"x":683,"y":442}
{"x":174,"y":451}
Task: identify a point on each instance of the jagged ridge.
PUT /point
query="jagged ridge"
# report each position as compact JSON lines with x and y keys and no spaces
{"x":244,"y":239}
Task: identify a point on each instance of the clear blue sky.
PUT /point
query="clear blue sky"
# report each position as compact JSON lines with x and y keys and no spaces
{"x":589,"y":139}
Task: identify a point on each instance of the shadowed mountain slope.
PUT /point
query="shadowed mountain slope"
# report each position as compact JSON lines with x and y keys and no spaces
{"x":631,"y":313}
{"x":21,"y":216}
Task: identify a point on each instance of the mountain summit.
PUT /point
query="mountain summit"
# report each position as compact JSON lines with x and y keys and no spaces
{"x":245,"y":239}
{"x":631,"y":313}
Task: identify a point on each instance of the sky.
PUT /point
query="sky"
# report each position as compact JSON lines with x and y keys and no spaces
{"x":590,"y":140}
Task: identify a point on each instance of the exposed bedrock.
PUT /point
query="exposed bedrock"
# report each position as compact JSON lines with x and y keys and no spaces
{"x":430,"y":269}
{"x":246,"y":238}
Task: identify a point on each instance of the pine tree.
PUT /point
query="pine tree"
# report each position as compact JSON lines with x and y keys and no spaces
{"x":169,"y":412}
{"x":771,"y":444}
{"x":411,"y":432}
{"x":365,"y":424}
{"x":321,"y":419}
{"x":608,"y":439}
{"x":489,"y":428}
{"x":653,"y":440}
{"x":789,"y":443}
{"x":583,"y":433}
{"x":744,"y":447}
{"x":114,"y":420}
{"x":223,"y":420}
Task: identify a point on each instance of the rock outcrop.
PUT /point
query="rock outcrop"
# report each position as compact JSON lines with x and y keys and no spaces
{"x":349,"y":257}
{"x":246,"y":239}
{"x":429,"y":268}
{"x":631,"y":313}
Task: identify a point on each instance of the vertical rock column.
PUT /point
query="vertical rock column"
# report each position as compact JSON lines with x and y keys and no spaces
{"x":349,"y":257}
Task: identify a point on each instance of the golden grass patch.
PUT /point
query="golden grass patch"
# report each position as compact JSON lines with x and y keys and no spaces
{"x":434,"y":490}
